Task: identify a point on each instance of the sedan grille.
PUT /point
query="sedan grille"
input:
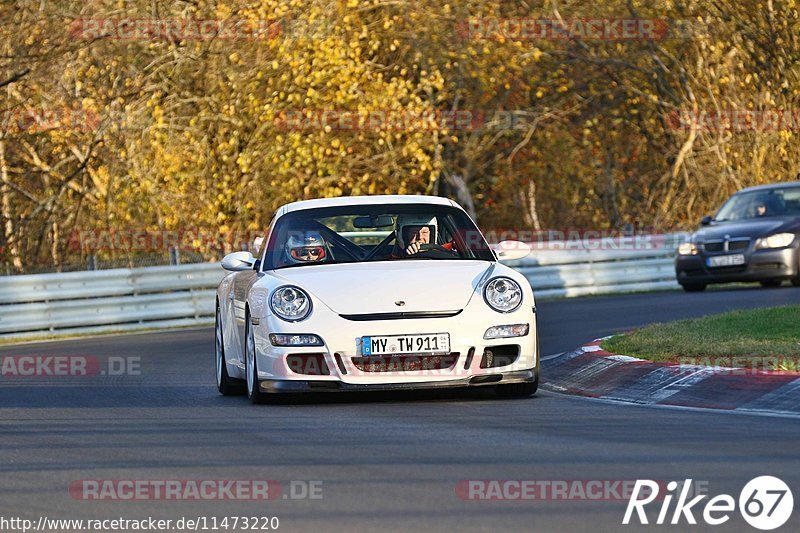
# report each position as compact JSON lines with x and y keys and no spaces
{"x":738,"y":244}
{"x":730,"y":245}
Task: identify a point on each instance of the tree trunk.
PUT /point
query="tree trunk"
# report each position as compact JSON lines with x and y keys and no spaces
{"x":8,"y":217}
{"x":54,"y":251}
{"x":528,"y":200}
{"x":463,"y":195}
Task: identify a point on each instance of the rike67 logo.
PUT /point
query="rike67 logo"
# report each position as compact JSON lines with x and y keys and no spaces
{"x":765,"y":503}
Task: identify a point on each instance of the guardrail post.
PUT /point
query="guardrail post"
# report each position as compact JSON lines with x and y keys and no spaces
{"x":174,"y":255}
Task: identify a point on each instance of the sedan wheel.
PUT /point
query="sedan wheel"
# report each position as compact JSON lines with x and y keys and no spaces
{"x":771,"y":283}
{"x":226,"y":385}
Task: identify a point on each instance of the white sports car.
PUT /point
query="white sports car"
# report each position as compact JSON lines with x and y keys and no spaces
{"x":375,"y":293}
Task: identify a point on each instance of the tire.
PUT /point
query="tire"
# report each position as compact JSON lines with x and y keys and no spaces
{"x":771,"y":283}
{"x":518,"y":390}
{"x":693,"y":287}
{"x":796,"y":280}
{"x":226,"y":385}
{"x":251,"y":364}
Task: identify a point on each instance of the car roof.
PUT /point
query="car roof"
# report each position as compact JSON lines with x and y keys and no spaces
{"x":771,"y":186}
{"x":366,"y":200}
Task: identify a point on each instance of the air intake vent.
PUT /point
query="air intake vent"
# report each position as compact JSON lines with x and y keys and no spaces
{"x":503,"y":355}
{"x":312,"y":364}
{"x":406,"y":363}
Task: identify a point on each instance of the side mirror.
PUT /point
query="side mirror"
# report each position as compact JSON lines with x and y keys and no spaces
{"x":706,"y":220}
{"x":238,"y":261}
{"x":511,"y":250}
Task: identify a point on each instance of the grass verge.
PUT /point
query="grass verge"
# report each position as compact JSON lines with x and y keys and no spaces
{"x":765,"y":339}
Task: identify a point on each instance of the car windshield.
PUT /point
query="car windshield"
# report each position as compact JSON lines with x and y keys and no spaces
{"x":389,"y":232}
{"x":782,"y":202}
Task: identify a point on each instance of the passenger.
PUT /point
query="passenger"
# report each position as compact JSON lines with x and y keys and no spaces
{"x":305,"y":247}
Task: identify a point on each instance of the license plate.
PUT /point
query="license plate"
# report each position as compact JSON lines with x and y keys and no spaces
{"x":405,"y":344}
{"x":725,"y":260}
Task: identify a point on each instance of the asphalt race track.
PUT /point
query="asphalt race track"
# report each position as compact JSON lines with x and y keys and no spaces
{"x":384,"y":461}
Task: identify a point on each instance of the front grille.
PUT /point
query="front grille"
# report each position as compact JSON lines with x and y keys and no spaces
{"x":401,"y":315}
{"x":728,"y":269}
{"x":406,"y":363}
{"x":736,"y":244}
{"x":713,"y":246}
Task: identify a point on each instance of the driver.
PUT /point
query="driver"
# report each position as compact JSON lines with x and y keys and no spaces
{"x":413,"y":232}
{"x":305,"y":247}
{"x":763,"y":206}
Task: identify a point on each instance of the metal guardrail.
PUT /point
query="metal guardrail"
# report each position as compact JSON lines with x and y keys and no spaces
{"x":108,"y":300}
{"x":156,"y":297}
{"x":602,"y":266}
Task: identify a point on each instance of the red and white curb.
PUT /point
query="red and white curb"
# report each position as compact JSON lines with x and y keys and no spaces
{"x":593,"y":372}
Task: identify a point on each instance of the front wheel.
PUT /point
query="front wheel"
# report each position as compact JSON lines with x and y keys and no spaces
{"x":693,"y":287}
{"x":518,"y":390}
{"x":226,"y":385}
{"x":771,"y":283}
{"x":251,"y":364}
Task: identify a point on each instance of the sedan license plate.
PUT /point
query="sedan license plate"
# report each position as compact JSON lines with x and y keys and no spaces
{"x":405,"y":344}
{"x":725,"y":260}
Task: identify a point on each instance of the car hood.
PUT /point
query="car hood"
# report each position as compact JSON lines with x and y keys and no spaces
{"x":748,"y":228}
{"x":375,"y":287}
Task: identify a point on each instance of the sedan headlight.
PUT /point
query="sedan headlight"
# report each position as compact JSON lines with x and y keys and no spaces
{"x":502,"y":294}
{"x":290,"y":303}
{"x":779,"y":240}
{"x":687,"y":248}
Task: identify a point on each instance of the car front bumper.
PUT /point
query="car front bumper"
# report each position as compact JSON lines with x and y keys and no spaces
{"x":347,"y":370}
{"x":312,"y":385}
{"x":759,"y":265}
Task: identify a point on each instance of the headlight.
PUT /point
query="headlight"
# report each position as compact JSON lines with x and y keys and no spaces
{"x":504,"y":332}
{"x":503,"y":294}
{"x":290,"y":303}
{"x":687,"y":248}
{"x":779,"y":240}
{"x":286,"y":339}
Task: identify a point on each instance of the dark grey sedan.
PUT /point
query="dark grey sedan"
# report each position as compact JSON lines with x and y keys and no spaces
{"x":753,"y":237}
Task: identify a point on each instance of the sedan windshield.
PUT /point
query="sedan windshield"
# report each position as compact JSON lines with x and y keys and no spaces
{"x":782,"y":202}
{"x":357,"y":234}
